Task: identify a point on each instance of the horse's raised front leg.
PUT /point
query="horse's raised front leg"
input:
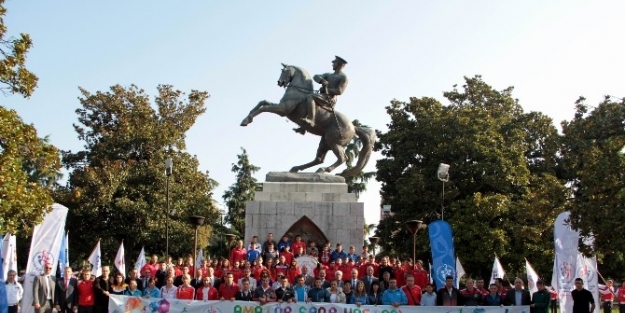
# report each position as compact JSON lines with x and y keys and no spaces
{"x":322,"y":150}
{"x":264,"y":106}
{"x":339,"y":152}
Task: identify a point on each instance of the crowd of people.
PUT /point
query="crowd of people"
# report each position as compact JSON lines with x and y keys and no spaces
{"x":269,"y":272}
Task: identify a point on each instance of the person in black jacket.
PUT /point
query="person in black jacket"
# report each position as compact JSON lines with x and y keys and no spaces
{"x":449,"y":295}
{"x":518,"y":295}
{"x":285,"y":293}
{"x":245,"y":293}
{"x":102,"y":286}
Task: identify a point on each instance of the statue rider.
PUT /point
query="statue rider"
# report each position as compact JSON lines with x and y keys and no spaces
{"x":333,"y":85}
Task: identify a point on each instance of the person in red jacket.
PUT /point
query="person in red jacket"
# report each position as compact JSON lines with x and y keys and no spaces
{"x":298,"y":243}
{"x":86,"y":293}
{"x":238,"y":253}
{"x":228,"y":289}
{"x":185,"y":291}
{"x":206,"y":292}
{"x":412,"y":291}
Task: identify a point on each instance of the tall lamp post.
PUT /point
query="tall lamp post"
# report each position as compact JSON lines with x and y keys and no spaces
{"x":374,"y":241}
{"x":196,"y":221}
{"x":443,"y":175}
{"x":169,"y":167}
{"x":414,"y":226}
{"x":222,"y":214}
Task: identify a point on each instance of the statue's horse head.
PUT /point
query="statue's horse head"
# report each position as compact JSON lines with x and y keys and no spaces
{"x":294,"y":76}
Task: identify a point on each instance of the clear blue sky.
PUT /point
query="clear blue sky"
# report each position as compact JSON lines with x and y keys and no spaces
{"x":551,"y":51}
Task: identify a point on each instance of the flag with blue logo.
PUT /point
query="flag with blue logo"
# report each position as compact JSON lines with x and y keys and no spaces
{"x":443,"y":252}
{"x":64,"y":255}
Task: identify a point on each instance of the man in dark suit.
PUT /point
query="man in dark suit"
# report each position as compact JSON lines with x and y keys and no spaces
{"x":43,"y":290}
{"x":369,"y":279}
{"x":66,"y":295}
{"x":518,"y":295}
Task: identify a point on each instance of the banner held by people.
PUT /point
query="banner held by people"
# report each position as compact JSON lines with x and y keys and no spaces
{"x":125,"y":304}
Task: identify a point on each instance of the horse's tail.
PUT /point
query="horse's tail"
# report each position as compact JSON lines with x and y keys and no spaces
{"x":367,"y":137}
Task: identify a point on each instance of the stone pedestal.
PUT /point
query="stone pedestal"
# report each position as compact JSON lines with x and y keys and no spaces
{"x":315,"y":206}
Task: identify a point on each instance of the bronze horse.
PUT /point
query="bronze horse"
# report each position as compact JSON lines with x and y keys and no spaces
{"x":335,"y":128}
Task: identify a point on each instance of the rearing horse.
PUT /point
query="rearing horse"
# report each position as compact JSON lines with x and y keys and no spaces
{"x":335,"y":128}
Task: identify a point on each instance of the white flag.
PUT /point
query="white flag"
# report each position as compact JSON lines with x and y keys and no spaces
{"x":554,"y":277}
{"x":497,"y":271}
{"x":200,"y":259}
{"x":566,"y":246}
{"x":532,"y":277}
{"x":9,"y":254}
{"x":140,"y":261}
{"x":96,"y":261}
{"x":430,"y":268}
{"x":44,"y":249}
{"x":120,"y":263}
{"x":459,"y":272}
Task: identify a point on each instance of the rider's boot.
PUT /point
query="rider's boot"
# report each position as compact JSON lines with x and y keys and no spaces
{"x":300,"y":130}
{"x":312,"y":110}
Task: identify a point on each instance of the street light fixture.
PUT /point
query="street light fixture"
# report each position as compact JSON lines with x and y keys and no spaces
{"x":443,"y":175}
{"x":414,"y":226}
{"x":169,"y":168}
{"x":374,"y":241}
{"x":196,"y":221}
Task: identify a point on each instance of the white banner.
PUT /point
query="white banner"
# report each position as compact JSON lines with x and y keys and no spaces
{"x":532,"y":277}
{"x":44,"y":248}
{"x":587,"y":270}
{"x":9,"y":254}
{"x":125,"y":304}
{"x":497,"y":272}
{"x":566,"y":247}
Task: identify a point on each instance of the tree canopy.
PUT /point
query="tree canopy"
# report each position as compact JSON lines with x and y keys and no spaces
{"x":117,"y":189}
{"x":29,"y":165}
{"x":241,"y":191}
{"x":504,"y":194}
{"x":593,"y":153}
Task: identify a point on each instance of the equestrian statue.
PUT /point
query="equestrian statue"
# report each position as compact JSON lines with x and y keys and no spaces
{"x":314,"y":113}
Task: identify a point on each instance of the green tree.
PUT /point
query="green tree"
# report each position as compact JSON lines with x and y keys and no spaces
{"x":594,"y":165}
{"x":503,"y":194}
{"x":240,"y":192}
{"x":356,"y":184}
{"x":14,"y":77}
{"x":29,"y":165}
{"x":116,"y":190}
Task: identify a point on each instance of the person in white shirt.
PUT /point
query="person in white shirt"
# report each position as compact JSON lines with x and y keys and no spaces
{"x":15,"y":292}
{"x":429,"y":297}
{"x":169,"y":291}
